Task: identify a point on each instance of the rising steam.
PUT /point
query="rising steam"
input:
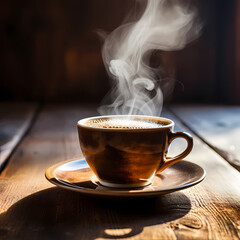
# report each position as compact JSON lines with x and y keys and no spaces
{"x":165,"y":25}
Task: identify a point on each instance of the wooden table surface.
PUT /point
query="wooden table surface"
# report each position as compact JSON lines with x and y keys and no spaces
{"x":32,"y":208}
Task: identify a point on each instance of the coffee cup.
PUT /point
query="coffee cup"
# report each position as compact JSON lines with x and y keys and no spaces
{"x":128,"y":151}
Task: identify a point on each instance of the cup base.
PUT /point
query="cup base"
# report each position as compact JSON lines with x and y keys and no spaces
{"x":129,"y":185}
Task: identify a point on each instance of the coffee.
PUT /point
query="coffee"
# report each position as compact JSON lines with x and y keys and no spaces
{"x":128,"y":151}
{"x":124,"y":123}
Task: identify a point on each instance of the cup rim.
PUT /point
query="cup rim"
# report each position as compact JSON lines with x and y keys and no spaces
{"x":81,"y":122}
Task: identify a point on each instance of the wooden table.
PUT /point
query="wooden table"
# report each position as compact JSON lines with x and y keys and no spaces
{"x":32,"y":208}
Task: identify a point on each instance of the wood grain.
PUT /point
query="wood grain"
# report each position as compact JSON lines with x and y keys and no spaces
{"x":31,"y":208}
{"x":218,"y":126}
{"x":15,"y":119}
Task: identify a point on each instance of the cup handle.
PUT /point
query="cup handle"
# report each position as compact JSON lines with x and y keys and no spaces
{"x":168,"y":161}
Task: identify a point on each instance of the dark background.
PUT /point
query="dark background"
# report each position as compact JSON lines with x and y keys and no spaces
{"x":50,"y":51}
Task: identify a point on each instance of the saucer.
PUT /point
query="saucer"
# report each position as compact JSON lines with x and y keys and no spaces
{"x":76,"y":175}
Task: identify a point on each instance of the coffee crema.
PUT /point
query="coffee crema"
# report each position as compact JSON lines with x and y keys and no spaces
{"x":113,"y":123}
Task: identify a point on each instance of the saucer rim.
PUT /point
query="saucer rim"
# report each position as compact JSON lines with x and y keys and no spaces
{"x":111,"y":192}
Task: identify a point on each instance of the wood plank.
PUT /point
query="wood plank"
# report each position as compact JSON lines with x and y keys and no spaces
{"x":15,"y":119}
{"x":31,"y":208}
{"x":218,"y":126}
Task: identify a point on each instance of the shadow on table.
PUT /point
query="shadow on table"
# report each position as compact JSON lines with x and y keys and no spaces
{"x":60,"y":214}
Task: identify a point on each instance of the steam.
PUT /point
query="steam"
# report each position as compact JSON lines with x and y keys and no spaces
{"x":165,"y":25}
